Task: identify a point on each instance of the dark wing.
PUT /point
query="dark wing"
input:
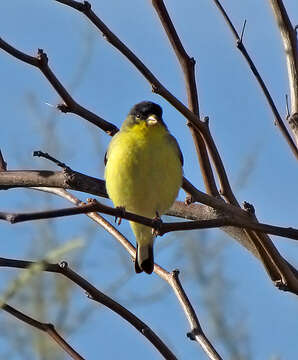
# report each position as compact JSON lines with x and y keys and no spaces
{"x":173,"y":140}
{"x":107,"y":152}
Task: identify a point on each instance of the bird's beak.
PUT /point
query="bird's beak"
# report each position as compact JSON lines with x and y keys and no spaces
{"x":152,"y":120}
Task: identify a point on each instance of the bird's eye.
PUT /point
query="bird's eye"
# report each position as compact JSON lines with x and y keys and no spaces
{"x":138,"y":116}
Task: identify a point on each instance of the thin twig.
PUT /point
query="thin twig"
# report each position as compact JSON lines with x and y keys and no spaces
{"x":186,"y":62}
{"x":73,"y":180}
{"x":157,"y":86}
{"x":188,"y":67}
{"x":70,"y":105}
{"x":261,"y":245}
{"x":171,"y":278}
{"x":215,"y":203}
{"x":225,"y":187}
{"x":52,"y":159}
{"x":45,"y":178}
{"x":287,"y":106}
{"x":283,"y":274}
{"x":41,"y":62}
{"x":290,"y":43}
{"x":242,"y":31}
{"x":87,"y":10}
{"x":80,"y":182}
{"x":278,"y":269}
{"x":47,"y":328}
{"x":98,"y":296}
{"x":289,"y":39}
{"x":161,"y":227}
{"x":196,"y":332}
{"x":259,"y":79}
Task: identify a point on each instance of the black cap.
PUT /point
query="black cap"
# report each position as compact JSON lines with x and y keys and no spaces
{"x":146,"y":108}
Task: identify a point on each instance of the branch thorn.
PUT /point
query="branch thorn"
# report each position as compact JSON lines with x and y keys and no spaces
{"x":84,"y":7}
{"x":50,"y":105}
{"x":242,"y":31}
{"x":192,"y":61}
{"x":206,"y":120}
{"x":155,"y":89}
{"x":249,"y":208}
{"x":63,"y":108}
{"x":63,"y":264}
{"x":192,"y":334}
{"x":3,"y":164}
{"x":287,"y":106}
{"x":51,"y":158}
{"x":42,"y":57}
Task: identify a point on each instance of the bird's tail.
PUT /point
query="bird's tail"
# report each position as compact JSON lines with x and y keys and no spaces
{"x":144,"y":256}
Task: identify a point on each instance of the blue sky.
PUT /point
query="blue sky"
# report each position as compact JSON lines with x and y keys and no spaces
{"x":103,"y":81}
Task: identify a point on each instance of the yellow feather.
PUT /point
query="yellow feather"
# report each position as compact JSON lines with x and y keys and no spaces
{"x":143,"y":173}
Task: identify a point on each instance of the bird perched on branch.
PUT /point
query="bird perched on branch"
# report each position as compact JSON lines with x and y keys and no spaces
{"x":144,"y":173}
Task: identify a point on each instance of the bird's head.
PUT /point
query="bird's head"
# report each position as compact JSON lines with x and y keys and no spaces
{"x":145,"y":113}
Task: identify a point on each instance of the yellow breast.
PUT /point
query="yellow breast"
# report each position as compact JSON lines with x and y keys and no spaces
{"x":143,"y":172}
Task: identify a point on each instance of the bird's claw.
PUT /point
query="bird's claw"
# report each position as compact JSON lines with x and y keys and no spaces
{"x":118,"y":219}
{"x":157,"y":225}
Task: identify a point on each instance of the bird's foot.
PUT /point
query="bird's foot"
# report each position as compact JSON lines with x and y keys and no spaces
{"x":157,"y":225}
{"x":118,"y":219}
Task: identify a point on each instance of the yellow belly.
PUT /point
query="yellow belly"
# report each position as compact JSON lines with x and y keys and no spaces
{"x":143,"y":172}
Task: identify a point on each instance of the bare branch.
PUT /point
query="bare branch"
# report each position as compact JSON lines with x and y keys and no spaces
{"x":45,"y":178}
{"x":188,"y":67}
{"x":289,"y":40}
{"x":161,"y":227}
{"x":196,"y":332}
{"x":187,"y":63}
{"x":196,"y":329}
{"x":279,"y":270}
{"x":171,"y":278}
{"x":194,"y":120}
{"x":47,"y":328}
{"x":98,"y":296}
{"x":215,"y":203}
{"x":41,"y":62}
{"x":267,"y":247}
{"x":259,"y":79}
{"x":157,"y":86}
{"x":289,"y":232}
{"x":77,"y":181}
{"x":225,"y":187}
{"x":73,"y":180}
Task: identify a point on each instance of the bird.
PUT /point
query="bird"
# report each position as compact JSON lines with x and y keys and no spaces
{"x":143,"y":173}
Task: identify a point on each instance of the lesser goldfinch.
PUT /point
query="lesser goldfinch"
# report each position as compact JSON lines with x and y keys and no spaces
{"x":144,"y":173}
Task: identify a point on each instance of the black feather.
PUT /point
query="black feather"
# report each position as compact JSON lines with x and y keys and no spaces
{"x":147,"y":264}
{"x":146,"y":108}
